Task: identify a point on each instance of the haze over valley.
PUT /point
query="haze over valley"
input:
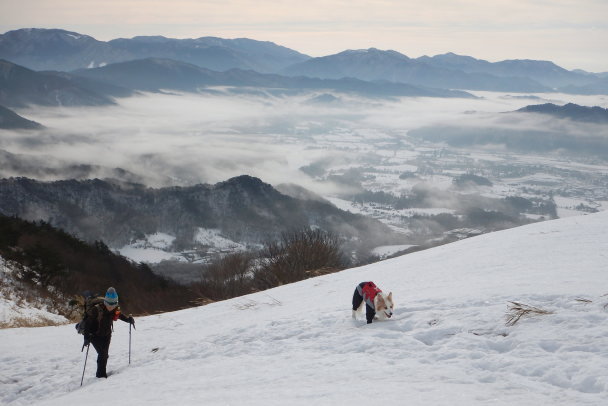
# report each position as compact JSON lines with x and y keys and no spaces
{"x":433,"y":164}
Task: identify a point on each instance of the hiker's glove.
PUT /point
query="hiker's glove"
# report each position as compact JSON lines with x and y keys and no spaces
{"x":87,"y":340}
{"x":131,"y":320}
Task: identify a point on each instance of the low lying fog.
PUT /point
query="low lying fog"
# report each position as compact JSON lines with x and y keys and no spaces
{"x":184,"y":139}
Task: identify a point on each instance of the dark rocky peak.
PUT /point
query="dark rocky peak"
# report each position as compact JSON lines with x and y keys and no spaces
{"x":247,"y":184}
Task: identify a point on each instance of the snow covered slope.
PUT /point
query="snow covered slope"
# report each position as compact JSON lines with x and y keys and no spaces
{"x":297,"y":345}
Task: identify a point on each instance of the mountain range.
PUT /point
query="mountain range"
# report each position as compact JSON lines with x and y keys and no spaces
{"x":154,"y":74}
{"x":374,"y":64}
{"x":243,"y":209}
{"x":59,"y":50}
{"x":570,"y":111}
{"x":20,"y":86}
{"x":55,"y":49}
{"x":451,"y":71}
{"x":545,"y":72}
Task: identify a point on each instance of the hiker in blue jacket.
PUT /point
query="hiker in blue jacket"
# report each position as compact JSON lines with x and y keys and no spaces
{"x":98,"y":328}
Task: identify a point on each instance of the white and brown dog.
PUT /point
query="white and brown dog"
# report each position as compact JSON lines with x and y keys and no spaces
{"x":377,"y":304}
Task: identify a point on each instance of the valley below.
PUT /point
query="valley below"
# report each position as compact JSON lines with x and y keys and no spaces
{"x":390,"y":159}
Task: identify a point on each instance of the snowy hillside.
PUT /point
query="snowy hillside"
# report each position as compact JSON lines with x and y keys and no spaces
{"x":447,"y":343}
{"x":20,"y":306}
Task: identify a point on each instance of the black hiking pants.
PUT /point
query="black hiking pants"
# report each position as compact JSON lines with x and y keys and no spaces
{"x":102,"y":346}
{"x":358,"y":298}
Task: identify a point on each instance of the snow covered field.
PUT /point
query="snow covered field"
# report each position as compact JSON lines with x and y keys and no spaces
{"x":447,"y":343}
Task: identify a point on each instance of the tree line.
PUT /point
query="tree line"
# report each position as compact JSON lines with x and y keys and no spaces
{"x":51,"y":260}
{"x":296,"y":256}
{"x":55,"y":263}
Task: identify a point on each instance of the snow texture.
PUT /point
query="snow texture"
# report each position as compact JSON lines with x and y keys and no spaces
{"x":153,"y":248}
{"x":157,"y":247}
{"x":388,"y":250}
{"x":214,"y":238}
{"x":447,"y":343}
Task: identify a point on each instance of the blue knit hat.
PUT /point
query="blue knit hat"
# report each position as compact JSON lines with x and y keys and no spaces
{"x":111,"y":298}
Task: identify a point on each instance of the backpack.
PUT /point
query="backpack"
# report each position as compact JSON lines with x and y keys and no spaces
{"x":86,"y":303}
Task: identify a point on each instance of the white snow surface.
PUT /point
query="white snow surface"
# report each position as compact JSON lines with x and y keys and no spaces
{"x":214,"y":238}
{"x":155,"y":248}
{"x":387,"y":250}
{"x":447,"y":343}
{"x":152,"y":248}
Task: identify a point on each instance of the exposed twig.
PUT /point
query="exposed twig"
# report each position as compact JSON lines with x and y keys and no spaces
{"x":518,"y":311}
{"x":274,"y":302}
{"x":246,"y":305}
{"x":249,"y":303}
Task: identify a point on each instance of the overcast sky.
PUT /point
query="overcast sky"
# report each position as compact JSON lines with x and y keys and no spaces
{"x":572,"y":33}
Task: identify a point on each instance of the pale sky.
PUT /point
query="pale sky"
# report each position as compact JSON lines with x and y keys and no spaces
{"x":571,"y":33}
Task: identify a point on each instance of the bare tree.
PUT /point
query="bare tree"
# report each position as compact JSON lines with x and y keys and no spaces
{"x":296,"y":256}
{"x":229,"y":276}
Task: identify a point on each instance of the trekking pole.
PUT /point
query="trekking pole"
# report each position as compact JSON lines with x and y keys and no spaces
{"x":85,"y":362}
{"x":130,"y":340}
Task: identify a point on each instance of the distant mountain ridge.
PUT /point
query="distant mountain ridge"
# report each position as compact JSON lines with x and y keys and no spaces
{"x":20,"y":87}
{"x":213,"y":53}
{"x":545,"y":72}
{"x":571,"y":111}
{"x":154,"y":74}
{"x":374,"y":64}
{"x":56,"y":49}
{"x":244,"y":209}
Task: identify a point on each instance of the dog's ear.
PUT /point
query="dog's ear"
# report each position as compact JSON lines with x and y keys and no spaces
{"x":390,"y":296}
